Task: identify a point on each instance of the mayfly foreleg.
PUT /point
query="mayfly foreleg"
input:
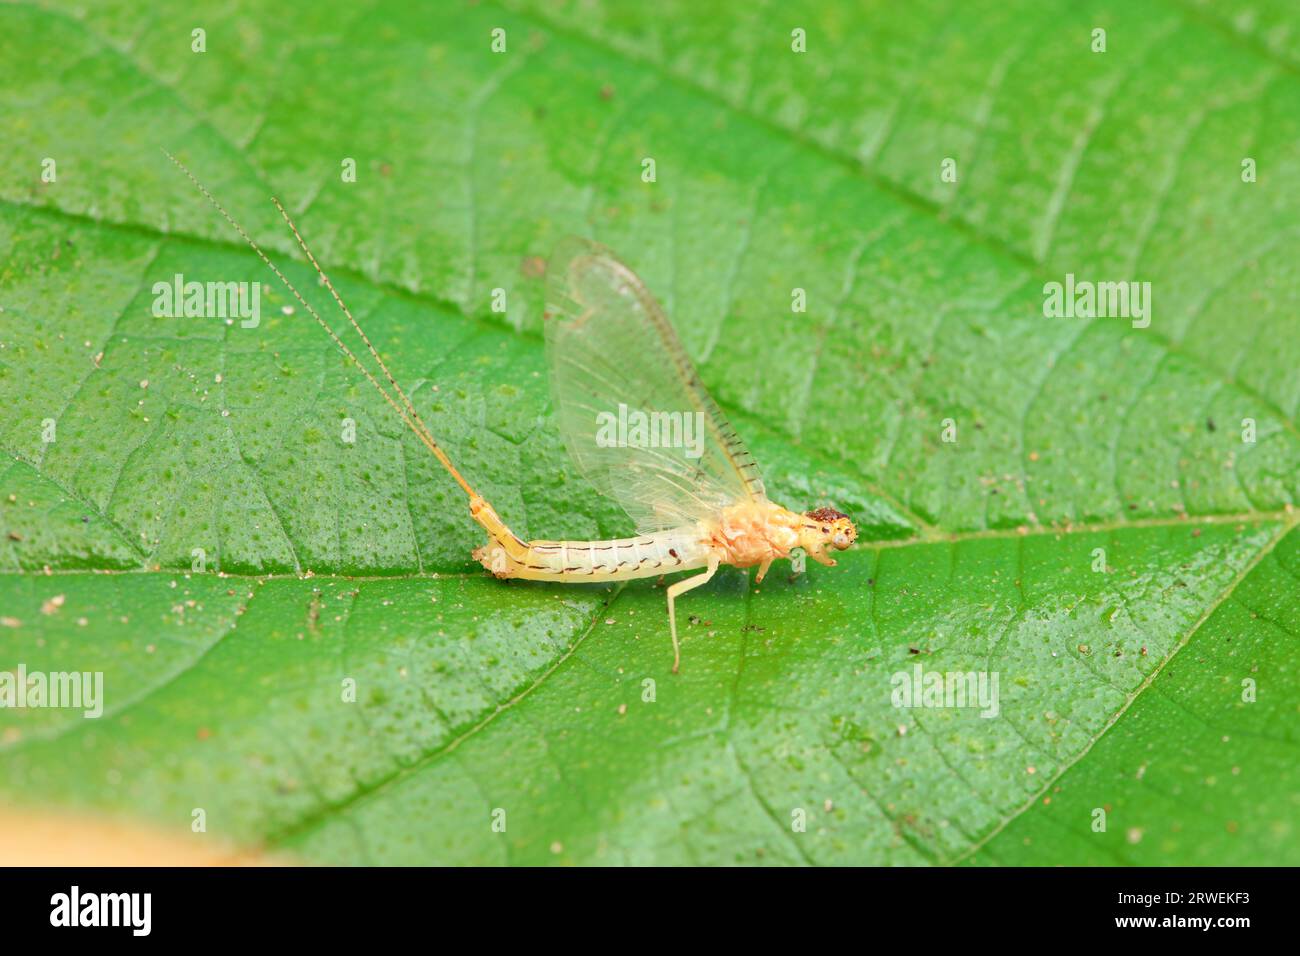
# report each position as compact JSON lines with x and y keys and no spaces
{"x":681,"y":587}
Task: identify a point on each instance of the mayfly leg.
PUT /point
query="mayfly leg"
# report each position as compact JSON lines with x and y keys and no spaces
{"x":681,"y":587}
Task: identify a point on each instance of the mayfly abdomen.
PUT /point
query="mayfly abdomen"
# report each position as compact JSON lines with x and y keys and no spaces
{"x":647,"y":555}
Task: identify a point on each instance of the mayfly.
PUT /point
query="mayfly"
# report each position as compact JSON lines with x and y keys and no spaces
{"x":698,"y":501}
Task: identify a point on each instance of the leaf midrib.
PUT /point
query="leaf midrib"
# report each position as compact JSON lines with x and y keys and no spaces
{"x":1288,"y":517}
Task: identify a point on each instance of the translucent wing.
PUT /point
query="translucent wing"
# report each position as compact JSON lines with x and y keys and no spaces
{"x":635,"y":418}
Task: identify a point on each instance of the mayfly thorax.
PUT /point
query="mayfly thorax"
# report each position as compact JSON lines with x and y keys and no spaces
{"x":679,"y":469}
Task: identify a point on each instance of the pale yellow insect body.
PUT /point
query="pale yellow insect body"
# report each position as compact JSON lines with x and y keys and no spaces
{"x":743,"y":535}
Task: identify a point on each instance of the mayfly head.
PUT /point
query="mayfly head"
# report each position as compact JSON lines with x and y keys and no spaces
{"x":826,"y":528}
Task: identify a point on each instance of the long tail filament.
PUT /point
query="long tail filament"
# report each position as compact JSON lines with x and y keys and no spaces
{"x":407,"y":413}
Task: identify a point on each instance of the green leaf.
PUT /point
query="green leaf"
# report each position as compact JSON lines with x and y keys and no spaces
{"x":1153,"y":687}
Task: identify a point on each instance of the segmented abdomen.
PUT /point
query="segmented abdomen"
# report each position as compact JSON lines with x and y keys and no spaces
{"x":678,"y":549}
